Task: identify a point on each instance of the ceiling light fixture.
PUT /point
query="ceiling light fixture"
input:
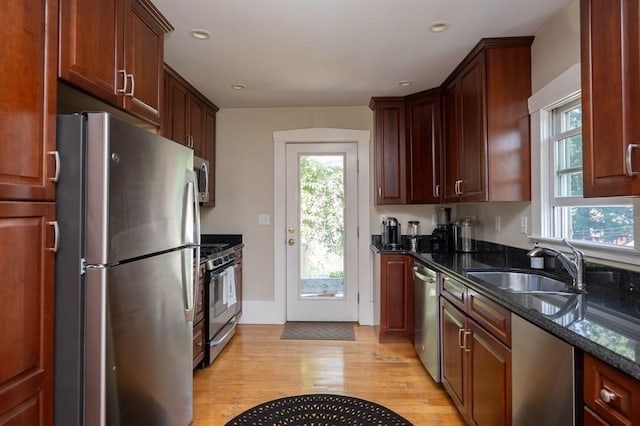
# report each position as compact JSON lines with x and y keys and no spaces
{"x":438,"y":26}
{"x":200,"y":34}
{"x":404,"y":84}
{"x":238,"y":86}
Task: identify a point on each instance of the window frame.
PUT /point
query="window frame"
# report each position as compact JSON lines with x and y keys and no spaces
{"x":566,"y":88}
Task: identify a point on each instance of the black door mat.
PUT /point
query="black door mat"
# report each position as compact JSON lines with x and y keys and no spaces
{"x":318,"y":331}
{"x":321,"y":410}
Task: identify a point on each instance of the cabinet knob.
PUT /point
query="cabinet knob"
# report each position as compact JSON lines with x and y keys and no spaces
{"x":607,"y":396}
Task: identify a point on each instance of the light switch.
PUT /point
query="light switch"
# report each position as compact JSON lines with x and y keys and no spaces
{"x":264,"y":219}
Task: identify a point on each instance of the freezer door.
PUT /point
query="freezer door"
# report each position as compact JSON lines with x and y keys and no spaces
{"x":139,"y":199}
{"x":139,"y":344}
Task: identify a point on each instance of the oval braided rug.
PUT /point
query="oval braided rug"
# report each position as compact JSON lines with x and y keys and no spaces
{"x":318,"y":410}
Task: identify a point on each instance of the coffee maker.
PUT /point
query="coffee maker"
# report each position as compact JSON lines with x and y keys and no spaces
{"x":442,"y":236}
{"x":391,"y":233}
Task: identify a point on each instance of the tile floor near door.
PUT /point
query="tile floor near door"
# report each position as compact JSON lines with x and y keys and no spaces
{"x":257,"y":367}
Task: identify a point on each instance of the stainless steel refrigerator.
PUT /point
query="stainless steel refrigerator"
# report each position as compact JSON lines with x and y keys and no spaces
{"x":127,"y":209}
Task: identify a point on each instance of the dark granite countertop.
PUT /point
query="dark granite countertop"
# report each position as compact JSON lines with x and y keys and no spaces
{"x":605,"y":322}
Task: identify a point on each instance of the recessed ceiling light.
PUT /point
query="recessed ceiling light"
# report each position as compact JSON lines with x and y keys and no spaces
{"x":200,"y":34}
{"x":438,"y":26}
{"x":238,"y":86}
{"x":404,"y":84}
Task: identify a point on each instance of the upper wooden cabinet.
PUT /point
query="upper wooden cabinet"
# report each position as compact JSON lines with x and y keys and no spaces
{"x":114,"y":50}
{"x":390,"y":146}
{"x":190,"y":119}
{"x":486,"y":123}
{"x":423,"y":148}
{"x":610,"y":61}
{"x":28,"y":98}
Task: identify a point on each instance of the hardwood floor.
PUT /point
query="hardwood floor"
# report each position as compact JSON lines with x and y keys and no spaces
{"x":257,"y":367}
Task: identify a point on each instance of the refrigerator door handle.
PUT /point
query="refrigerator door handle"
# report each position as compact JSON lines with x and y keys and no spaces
{"x":196,"y":238}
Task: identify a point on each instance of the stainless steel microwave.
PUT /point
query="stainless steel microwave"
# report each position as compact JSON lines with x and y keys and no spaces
{"x":201,"y":168}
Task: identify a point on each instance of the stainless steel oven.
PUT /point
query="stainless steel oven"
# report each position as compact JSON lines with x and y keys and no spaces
{"x":223,"y":293}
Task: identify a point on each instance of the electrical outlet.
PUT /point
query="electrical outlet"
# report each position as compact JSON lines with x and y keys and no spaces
{"x":264,"y":219}
{"x":498,"y":223}
{"x":523,"y":224}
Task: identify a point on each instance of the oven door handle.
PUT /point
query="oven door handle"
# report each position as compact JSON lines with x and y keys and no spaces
{"x":231,"y":326}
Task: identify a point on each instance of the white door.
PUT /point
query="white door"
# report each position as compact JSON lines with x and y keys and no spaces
{"x":322,"y":232}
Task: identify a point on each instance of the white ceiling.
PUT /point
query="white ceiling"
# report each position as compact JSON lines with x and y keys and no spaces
{"x":296,"y":53}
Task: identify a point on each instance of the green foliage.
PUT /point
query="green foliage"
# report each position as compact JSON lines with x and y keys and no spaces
{"x":321,"y":209}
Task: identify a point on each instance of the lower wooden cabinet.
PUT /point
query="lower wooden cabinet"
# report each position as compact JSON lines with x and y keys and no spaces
{"x":198,"y":321}
{"x":396,"y":297}
{"x":476,"y":365}
{"x":613,"y":396}
{"x":26,"y":303}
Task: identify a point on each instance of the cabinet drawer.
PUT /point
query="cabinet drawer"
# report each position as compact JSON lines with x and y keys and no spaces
{"x":613,"y":395}
{"x":495,"y":318}
{"x":454,"y":291}
{"x":198,"y":344}
{"x":592,"y":419}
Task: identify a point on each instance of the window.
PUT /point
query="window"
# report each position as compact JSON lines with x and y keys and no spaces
{"x":602,"y":221}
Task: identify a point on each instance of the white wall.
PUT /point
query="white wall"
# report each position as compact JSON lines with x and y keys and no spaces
{"x":244,"y":179}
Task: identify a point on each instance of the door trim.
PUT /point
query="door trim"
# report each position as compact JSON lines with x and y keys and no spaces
{"x":322,"y":135}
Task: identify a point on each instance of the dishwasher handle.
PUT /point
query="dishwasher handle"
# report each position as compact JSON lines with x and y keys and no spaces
{"x":424,"y":274}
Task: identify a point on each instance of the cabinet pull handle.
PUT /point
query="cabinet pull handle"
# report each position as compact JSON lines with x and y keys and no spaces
{"x":56,"y":236}
{"x":379,"y":192}
{"x":125,"y":83}
{"x":460,"y":338}
{"x":630,"y":148}
{"x":436,"y":191}
{"x":607,"y":396}
{"x":56,"y":156}
{"x":464,"y":341}
{"x":133,"y":85}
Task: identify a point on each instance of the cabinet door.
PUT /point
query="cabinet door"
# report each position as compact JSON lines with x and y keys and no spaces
{"x":175,"y":117}
{"x":610,"y":61}
{"x":396,"y":296}
{"x":89,"y":34}
{"x":423,"y":153}
{"x":196,"y":126}
{"x":143,"y":60}
{"x":209,"y":149}
{"x":28,"y":98}
{"x":450,"y":151}
{"x":26,"y":305}
{"x":390,"y":152}
{"x":453,"y":355}
{"x":473,"y":134}
{"x":489,"y":378}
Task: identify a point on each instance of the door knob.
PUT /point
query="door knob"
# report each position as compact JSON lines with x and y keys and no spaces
{"x":291,"y":241}
{"x":291,"y":229}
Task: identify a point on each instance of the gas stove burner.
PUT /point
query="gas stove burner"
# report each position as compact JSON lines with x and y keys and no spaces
{"x":216,"y":255}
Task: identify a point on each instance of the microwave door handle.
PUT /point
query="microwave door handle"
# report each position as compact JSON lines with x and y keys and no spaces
{"x":206,"y":180}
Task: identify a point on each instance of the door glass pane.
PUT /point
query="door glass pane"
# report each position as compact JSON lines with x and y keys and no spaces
{"x":321,"y":226}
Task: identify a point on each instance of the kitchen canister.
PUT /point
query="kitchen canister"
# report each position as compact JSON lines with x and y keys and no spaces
{"x":466,"y":235}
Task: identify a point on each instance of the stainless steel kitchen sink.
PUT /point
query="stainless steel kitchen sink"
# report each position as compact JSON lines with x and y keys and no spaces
{"x":521,"y":282}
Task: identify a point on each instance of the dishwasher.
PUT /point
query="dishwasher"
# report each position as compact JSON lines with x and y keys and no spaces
{"x":427,"y":318}
{"x":542,"y":377}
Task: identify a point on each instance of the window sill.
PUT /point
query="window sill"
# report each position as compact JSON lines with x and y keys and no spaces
{"x":621,"y":257}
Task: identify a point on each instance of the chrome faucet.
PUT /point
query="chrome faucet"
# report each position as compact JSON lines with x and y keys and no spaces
{"x":575,"y":267}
